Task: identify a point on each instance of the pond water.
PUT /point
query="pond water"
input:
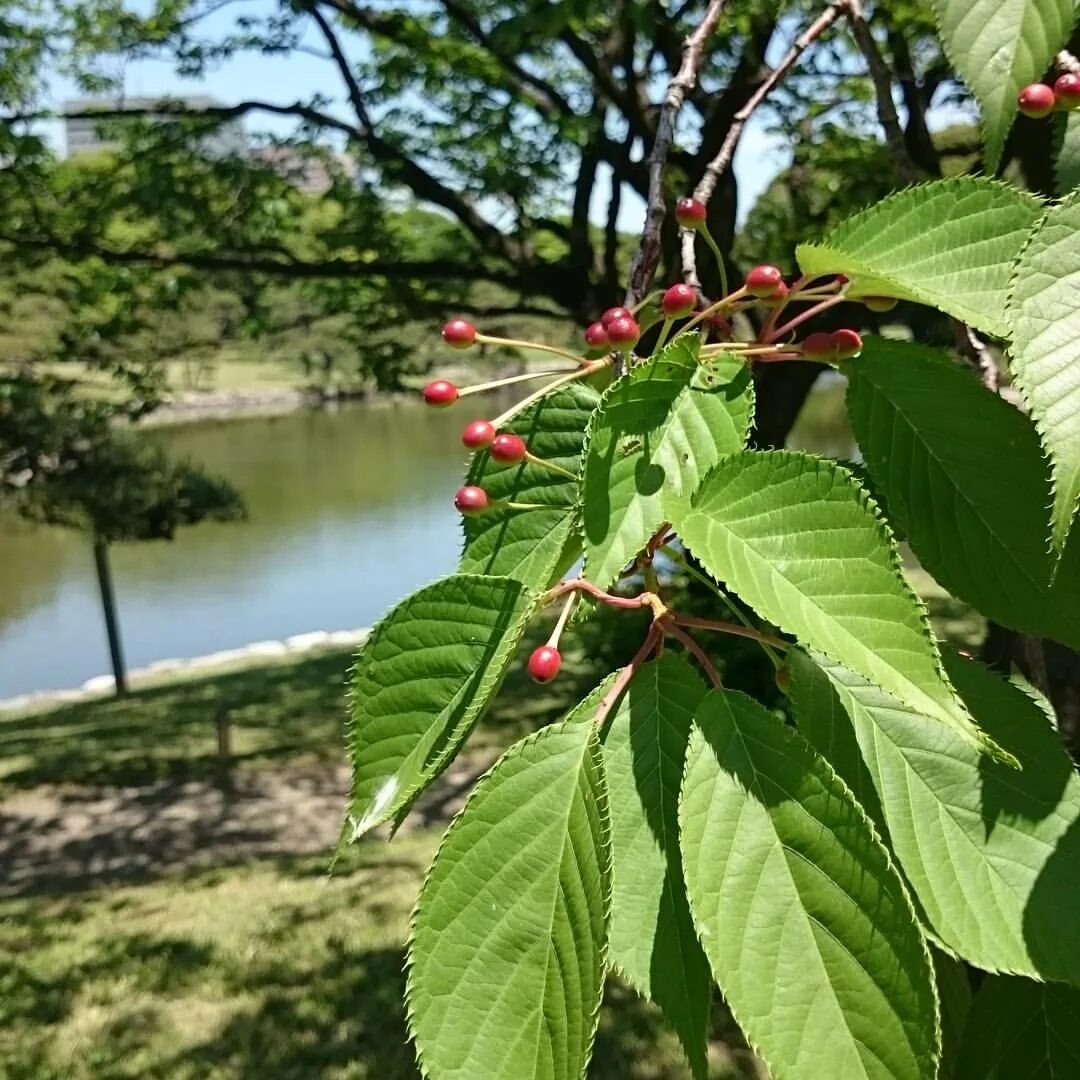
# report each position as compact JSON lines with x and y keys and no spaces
{"x":349,"y":510}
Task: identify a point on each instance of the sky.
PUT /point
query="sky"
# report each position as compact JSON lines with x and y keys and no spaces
{"x":298,"y":76}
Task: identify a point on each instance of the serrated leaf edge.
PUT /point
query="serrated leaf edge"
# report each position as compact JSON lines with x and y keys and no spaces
{"x":593,"y":748}
{"x":794,"y":736}
{"x":1073,"y":198}
{"x":350,"y":725}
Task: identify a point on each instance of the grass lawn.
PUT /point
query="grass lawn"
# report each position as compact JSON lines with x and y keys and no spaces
{"x":262,"y":966}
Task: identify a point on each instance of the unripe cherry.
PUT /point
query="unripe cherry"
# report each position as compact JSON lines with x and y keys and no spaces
{"x":509,"y":449}
{"x":783,"y":679}
{"x":544,"y":663}
{"x":440,"y":393}
{"x":595,"y":335}
{"x":459,"y":333}
{"x":819,"y":346}
{"x":678,"y":300}
{"x":1036,"y":100}
{"x":623,"y":332}
{"x":478,"y":434}
{"x":690,"y":213}
{"x":614,"y":313}
{"x":846,"y":344}
{"x":880,"y":303}
{"x":1067,"y":91}
{"x":471,"y":500}
{"x":764,"y":280}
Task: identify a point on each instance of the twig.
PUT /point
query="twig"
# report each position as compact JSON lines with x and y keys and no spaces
{"x":882,"y":80}
{"x":728,"y":628}
{"x":648,"y":253}
{"x":974,"y":349}
{"x":695,"y":650}
{"x":1065,"y":61}
{"x":622,"y":679}
{"x":722,"y":161}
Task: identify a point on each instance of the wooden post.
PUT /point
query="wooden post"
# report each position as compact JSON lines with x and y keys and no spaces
{"x":108,"y":604}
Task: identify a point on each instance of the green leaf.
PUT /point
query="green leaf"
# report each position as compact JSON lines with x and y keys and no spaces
{"x":807,"y":926}
{"x":1019,"y":1028}
{"x":824,"y":724}
{"x":1067,"y":161}
{"x":420,"y":682}
{"x":801,"y":542}
{"x":998,"y":48}
{"x":658,"y":430}
{"x":948,"y":244}
{"x":992,"y":853}
{"x":964,"y":480}
{"x":1045,"y":321}
{"x":652,"y":940}
{"x":506,"y":959}
{"x":532,"y":545}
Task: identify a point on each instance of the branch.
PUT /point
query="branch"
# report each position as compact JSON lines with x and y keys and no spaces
{"x":648,"y":253}
{"x":882,"y":80}
{"x":722,"y":161}
{"x":607,"y":86}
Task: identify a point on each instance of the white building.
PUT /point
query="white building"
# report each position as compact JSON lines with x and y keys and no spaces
{"x":84,"y":132}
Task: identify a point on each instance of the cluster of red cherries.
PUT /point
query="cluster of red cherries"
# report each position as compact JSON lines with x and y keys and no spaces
{"x":618,"y":331}
{"x":1038,"y":99}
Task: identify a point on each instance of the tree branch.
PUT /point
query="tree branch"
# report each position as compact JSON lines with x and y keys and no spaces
{"x":722,"y":161}
{"x":882,"y":80}
{"x":648,"y":253}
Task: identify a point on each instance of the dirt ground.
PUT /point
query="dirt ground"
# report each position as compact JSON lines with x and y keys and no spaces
{"x":61,"y":838}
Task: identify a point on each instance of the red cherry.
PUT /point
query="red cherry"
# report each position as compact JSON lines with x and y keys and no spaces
{"x":614,"y":313}
{"x":509,"y":449}
{"x":777,"y":296}
{"x":690,"y":213}
{"x":1036,"y":100}
{"x":478,"y":434}
{"x":596,"y":335}
{"x":544,"y":663}
{"x":623,"y":332}
{"x":846,"y":344}
{"x":678,"y":300}
{"x":842,"y":279}
{"x":880,"y":303}
{"x":819,"y":346}
{"x":459,"y":333}
{"x":471,"y":500}
{"x":764,"y":280}
{"x":440,"y":393}
{"x":1067,"y":90}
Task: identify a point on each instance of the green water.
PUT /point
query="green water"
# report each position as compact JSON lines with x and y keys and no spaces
{"x":349,"y":511}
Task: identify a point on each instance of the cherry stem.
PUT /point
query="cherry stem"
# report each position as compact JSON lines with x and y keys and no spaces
{"x":696,"y":651}
{"x":728,"y":628}
{"x":664,"y":331}
{"x":564,"y":615}
{"x":550,"y":466}
{"x":538,"y":346}
{"x":809,"y":313}
{"x":500,"y":504}
{"x":581,"y":585}
{"x":625,"y":674}
{"x":644,"y":301}
{"x":481,"y":388}
{"x":719,"y":257}
{"x":525,"y":402}
{"x":719,"y":305}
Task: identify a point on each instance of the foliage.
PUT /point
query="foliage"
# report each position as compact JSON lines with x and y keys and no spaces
{"x":674,"y":834}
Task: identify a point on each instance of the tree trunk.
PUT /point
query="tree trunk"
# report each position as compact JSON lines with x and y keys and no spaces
{"x":108,"y":606}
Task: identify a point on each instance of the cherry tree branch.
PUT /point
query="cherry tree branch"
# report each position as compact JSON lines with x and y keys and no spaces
{"x":722,"y":161}
{"x":648,"y":253}
{"x":881,"y":77}
{"x":696,"y":651}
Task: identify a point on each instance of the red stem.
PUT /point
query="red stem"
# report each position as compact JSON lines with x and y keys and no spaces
{"x":622,"y":680}
{"x":580,"y":585}
{"x":799,"y":319}
{"x":695,"y":649}
{"x":728,"y":628}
